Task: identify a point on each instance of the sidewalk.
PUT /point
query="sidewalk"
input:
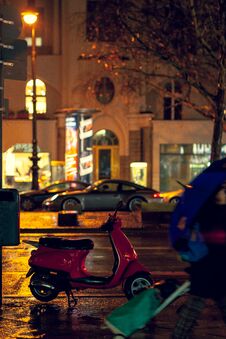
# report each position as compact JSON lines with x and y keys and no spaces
{"x":33,"y":221}
{"x":25,"y":318}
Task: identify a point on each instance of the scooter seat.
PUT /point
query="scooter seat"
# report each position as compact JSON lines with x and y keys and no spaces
{"x":60,"y":243}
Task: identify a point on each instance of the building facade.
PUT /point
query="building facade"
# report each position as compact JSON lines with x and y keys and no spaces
{"x":139,"y":135}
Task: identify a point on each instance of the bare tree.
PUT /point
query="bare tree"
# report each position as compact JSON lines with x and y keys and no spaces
{"x":186,"y":35}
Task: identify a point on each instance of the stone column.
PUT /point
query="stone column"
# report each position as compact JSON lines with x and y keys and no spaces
{"x":60,"y":135}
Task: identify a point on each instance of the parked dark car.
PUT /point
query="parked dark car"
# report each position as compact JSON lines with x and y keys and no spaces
{"x":103,"y":195}
{"x":30,"y":200}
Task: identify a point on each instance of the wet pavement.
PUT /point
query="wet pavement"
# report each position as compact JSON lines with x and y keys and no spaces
{"x":26,"y":318}
{"x":23,"y":317}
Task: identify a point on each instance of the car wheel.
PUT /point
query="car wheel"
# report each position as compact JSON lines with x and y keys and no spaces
{"x":135,"y":204}
{"x":71,"y":205}
{"x":27,"y":204}
{"x":174,"y":200}
{"x":137,"y":283}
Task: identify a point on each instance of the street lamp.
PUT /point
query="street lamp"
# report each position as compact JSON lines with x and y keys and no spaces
{"x":30,"y":17}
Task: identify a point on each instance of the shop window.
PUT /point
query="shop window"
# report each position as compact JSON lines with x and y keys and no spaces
{"x":172,"y":105}
{"x":40,"y":97}
{"x":183,"y":162}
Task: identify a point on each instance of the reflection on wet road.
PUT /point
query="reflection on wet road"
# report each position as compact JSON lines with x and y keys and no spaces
{"x":23,"y":317}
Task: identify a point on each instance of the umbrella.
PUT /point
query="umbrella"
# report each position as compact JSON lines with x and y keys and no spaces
{"x":195,"y":195}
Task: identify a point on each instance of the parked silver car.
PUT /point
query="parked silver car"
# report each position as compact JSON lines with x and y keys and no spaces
{"x":103,"y":195}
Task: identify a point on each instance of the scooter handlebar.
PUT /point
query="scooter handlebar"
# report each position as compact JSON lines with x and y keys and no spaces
{"x":118,"y":206}
{"x":108,"y":225}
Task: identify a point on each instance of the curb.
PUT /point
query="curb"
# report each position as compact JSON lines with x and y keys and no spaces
{"x":74,"y":229}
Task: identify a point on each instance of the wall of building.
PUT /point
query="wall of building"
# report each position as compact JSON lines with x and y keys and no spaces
{"x":20,"y":131}
{"x":70,"y":83}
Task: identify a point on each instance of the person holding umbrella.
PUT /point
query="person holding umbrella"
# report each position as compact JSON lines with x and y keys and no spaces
{"x":201,"y":213}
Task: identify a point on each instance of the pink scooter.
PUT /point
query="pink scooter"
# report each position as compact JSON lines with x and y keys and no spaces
{"x":59,"y":265}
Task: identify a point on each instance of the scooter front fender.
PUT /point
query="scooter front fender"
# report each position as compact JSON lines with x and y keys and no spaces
{"x":134,"y":267}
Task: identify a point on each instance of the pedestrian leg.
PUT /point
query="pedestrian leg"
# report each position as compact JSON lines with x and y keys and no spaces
{"x":188,"y":316}
{"x":221,"y":303}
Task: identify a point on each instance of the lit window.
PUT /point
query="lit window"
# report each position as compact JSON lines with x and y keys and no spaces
{"x":105,"y":137}
{"x":172,"y":105}
{"x":38,"y":41}
{"x":40,"y":97}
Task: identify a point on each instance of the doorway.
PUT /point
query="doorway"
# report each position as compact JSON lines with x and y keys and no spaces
{"x":105,"y":155}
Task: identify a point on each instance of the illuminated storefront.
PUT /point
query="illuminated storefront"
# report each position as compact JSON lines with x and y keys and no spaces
{"x":17,"y":167}
{"x":182,"y":162}
{"x":138,"y":173}
{"x":78,"y":150}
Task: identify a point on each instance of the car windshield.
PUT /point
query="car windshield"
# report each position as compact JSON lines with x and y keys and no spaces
{"x":91,"y":187}
{"x":56,"y":187}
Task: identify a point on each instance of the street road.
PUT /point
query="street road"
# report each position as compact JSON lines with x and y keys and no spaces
{"x":24,"y":317}
{"x":152,"y":248}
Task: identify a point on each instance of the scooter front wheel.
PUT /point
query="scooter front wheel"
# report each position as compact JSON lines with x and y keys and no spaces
{"x":43,"y":287}
{"x":137,"y":283}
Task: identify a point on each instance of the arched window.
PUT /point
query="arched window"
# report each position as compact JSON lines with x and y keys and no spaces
{"x":40,"y":97}
{"x":105,"y":137}
{"x":172,"y":105}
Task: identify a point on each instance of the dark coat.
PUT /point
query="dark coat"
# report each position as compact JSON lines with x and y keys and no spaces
{"x":208,"y":275}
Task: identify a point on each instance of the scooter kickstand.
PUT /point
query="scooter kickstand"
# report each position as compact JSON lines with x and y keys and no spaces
{"x":71,"y":299}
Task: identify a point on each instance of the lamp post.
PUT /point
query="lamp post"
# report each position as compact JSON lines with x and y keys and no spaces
{"x":30,"y":17}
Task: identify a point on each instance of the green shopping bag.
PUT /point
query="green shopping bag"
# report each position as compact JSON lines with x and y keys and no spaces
{"x":134,"y":315}
{"x":138,"y":311}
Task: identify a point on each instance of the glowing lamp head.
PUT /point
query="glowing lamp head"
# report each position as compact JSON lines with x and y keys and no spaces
{"x":30,"y":17}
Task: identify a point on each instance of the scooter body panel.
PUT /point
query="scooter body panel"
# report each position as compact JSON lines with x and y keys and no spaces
{"x":132,"y":268}
{"x":122,"y":244}
{"x":63,"y":260}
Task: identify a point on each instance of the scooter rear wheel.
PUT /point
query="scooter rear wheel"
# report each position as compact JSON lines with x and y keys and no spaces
{"x":137,"y":283}
{"x":43,"y":287}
